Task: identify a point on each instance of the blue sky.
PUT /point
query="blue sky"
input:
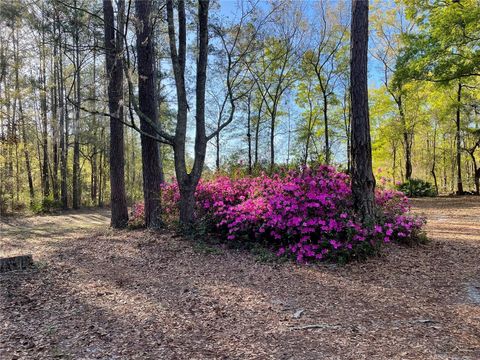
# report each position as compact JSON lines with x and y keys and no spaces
{"x":231,"y":9}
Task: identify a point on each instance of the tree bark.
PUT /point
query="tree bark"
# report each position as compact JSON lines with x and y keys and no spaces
{"x":26,"y":153}
{"x":363,"y":182}
{"x":149,"y":106}
{"x":249,"y":134}
{"x":76,"y":126}
{"x":434,"y":162}
{"x":22,"y":124}
{"x":114,"y":52}
{"x":459,"y":141}
{"x":55,"y":135}
{"x":257,"y":133}
{"x":273,"y":116}
{"x":188,"y":181}
{"x":43,"y":110}
{"x":62,"y":129}
{"x":407,"y":141}
{"x":102,"y":167}
{"x":325,"y":121}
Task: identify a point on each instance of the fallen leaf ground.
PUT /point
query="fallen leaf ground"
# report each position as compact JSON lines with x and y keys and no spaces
{"x":100,"y":294}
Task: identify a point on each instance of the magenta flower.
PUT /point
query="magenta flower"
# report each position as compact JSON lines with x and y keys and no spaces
{"x":303,"y":213}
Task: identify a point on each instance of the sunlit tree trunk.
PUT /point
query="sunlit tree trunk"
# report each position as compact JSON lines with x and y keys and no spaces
{"x":363,"y":182}
{"x":114,"y":51}
{"x":63,"y":129}
{"x":458,"y":138}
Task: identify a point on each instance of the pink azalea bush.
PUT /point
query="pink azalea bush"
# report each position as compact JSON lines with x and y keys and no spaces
{"x":307,"y":214}
{"x":137,"y":216}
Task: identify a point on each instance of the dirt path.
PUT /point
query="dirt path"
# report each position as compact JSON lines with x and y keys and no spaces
{"x":34,"y":233}
{"x":98,"y":294}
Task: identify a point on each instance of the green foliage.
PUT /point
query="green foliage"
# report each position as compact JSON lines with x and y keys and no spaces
{"x":445,"y":45}
{"x":206,"y":248}
{"x":45,"y":206}
{"x":416,"y":238}
{"x":264,"y":255}
{"x":417,"y":188}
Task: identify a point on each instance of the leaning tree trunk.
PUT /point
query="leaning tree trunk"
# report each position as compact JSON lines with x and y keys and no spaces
{"x":148,"y":106}
{"x":363,"y":182}
{"x":114,"y":52}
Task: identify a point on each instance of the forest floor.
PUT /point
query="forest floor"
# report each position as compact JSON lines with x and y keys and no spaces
{"x":101,"y":294}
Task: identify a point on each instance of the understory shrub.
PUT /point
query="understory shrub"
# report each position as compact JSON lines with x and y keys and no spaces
{"x":45,"y":206}
{"x":307,"y":214}
{"x":417,"y":188}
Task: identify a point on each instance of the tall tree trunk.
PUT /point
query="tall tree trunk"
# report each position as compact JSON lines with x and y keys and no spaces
{"x":44,"y":110}
{"x":249,"y":134}
{"x":347,"y":121}
{"x":188,"y":181}
{"x":54,"y":97}
{"x":217,"y":147}
{"x":444,"y":156}
{"x":102,"y":166}
{"x":63,"y":129}
{"x":26,"y":153}
{"x":434,"y":162}
{"x":407,"y":141}
{"x":148,"y":104}
{"x":257,"y":133}
{"x":22,"y":125}
{"x":114,"y":67}
{"x":76,"y":127}
{"x":20,"y":112}
{"x":325,"y":122}
{"x":272,"y":139}
{"x":363,"y":182}
{"x":459,"y":141}
{"x":93,"y":162}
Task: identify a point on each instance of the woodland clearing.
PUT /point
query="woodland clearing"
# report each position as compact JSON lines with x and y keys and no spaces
{"x":96,"y":293}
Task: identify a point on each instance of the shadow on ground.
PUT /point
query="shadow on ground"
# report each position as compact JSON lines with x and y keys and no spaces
{"x":142,"y":295}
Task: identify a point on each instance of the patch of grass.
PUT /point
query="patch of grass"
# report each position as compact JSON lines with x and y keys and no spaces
{"x":204,"y":247}
{"x":263,"y":254}
{"x":40,"y":265}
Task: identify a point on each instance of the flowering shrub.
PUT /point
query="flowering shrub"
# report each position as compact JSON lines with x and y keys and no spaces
{"x":307,"y":214}
{"x":137,"y":216}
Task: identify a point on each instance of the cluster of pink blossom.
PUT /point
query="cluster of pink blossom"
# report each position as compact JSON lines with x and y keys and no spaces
{"x":308,"y":213}
{"x":137,"y":216}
